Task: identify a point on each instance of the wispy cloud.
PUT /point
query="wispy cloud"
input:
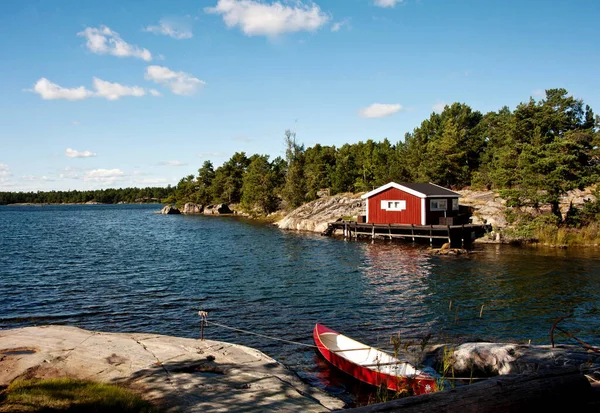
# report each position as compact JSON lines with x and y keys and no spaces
{"x":438,"y":107}
{"x":256,"y":18}
{"x":33,"y":178}
{"x":104,"y":176}
{"x":108,"y":90}
{"x":69,"y":173}
{"x":338,"y":25}
{"x":149,"y":181}
{"x":540,"y":93}
{"x":211,"y":155}
{"x":387,"y":3}
{"x":380,"y":110}
{"x":176,"y":28}
{"x":4,"y":170}
{"x":172,"y":163}
{"x":72,"y":153}
{"x":242,"y":139}
{"x":102,"y":40}
{"x":180,"y":83}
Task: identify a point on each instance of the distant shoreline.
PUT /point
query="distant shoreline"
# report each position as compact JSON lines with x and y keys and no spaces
{"x":81,"y":203}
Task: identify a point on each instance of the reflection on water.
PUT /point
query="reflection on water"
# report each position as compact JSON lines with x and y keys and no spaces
{"x":123,"y":268}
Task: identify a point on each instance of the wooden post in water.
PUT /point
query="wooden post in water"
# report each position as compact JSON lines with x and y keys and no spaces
{"x":373,"y":232}
{"x":412,"y":231}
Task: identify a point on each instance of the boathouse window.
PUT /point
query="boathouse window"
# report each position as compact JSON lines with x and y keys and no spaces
{"x":393,"y":205}
{"x":438,"y":204}
{"x":455,"y":204}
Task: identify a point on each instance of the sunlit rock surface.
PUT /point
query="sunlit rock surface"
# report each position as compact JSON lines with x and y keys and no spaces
{"x":314,"y":216}
{"x":185,"y":375}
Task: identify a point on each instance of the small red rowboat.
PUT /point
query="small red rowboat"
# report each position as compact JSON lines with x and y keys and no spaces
{"x":369,"y":364}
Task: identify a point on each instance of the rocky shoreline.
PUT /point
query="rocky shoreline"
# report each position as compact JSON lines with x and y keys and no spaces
{"x":486,"y":208}
{"x":178,"y":374}
{"x":189,"y":375}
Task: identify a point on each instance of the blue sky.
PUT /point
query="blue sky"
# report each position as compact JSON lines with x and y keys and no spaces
{"x":131,"y":93}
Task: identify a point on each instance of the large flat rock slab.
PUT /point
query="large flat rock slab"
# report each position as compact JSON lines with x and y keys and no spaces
{"x":184,"y":375}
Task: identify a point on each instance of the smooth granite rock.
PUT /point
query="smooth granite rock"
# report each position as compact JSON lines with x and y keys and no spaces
{"x":170,"y":210}
{"x":181,"y":374}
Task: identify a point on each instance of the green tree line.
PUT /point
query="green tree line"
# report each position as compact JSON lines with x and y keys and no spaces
{"x":105,"y":196}
{"x":533,"y":154}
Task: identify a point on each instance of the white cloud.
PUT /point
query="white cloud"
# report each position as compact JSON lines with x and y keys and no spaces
{"x":242,"y":139}
{"x":539,"y":93}
{"x":108,"y":90}
{"x":72,"y":153}
{"x":256,"y":18}
{"x":113,"y":91}
{"x":75,"y":122}
{"x":50,"y":91}
{"x":380,"y":110}
{"x":387,"y":3}
{"x":180,"y":83}
{"x":175,"y":28}
{"x":4,"y":170}
{"x":172,"y":163}
{"x":103,"y":40}
{"x":104,"y":176}
{"x":438,"y":107}
{"x":154,"y":92}
{"x":338,"y":25}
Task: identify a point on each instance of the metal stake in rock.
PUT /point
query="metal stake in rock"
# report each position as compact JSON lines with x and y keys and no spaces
{"x":203,"y":322}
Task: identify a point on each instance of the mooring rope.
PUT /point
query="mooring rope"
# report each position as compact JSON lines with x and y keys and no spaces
{"x":261,"y":335}
{"x":206,"y":323}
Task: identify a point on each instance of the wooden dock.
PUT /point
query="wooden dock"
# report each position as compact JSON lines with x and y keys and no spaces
{"x":456,"y":235}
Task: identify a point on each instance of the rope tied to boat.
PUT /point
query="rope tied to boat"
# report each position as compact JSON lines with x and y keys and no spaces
{"x":204,"y":322}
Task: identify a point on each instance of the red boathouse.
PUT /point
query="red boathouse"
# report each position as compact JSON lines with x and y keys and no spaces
{"x":414,"y":203}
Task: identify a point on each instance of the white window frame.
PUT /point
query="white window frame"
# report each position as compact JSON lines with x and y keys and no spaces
{"x":455,"y":206}
{"x":393,"y":205}
{"x":438,"y":203}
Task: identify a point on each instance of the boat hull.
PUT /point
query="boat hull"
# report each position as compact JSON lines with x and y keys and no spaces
{"x":417,"y":384}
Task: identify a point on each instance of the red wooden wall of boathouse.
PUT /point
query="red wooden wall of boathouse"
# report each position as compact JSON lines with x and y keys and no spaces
{"x":377,"y":215}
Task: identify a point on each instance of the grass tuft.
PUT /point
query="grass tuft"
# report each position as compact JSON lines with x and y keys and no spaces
{"x":70,"y":395}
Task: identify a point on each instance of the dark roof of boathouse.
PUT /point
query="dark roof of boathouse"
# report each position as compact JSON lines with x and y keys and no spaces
{"x":420,"y":189}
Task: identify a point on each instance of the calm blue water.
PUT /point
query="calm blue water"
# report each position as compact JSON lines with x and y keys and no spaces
{"x":123,"y":268}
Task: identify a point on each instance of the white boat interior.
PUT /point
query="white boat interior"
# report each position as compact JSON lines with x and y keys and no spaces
{"x":366,"y":356}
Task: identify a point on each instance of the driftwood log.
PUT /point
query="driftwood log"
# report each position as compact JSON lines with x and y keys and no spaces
{"x":544,"y":391}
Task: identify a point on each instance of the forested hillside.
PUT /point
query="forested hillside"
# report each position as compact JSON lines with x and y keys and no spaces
{"x":104,"y":196}
{"x":532,"y":154}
